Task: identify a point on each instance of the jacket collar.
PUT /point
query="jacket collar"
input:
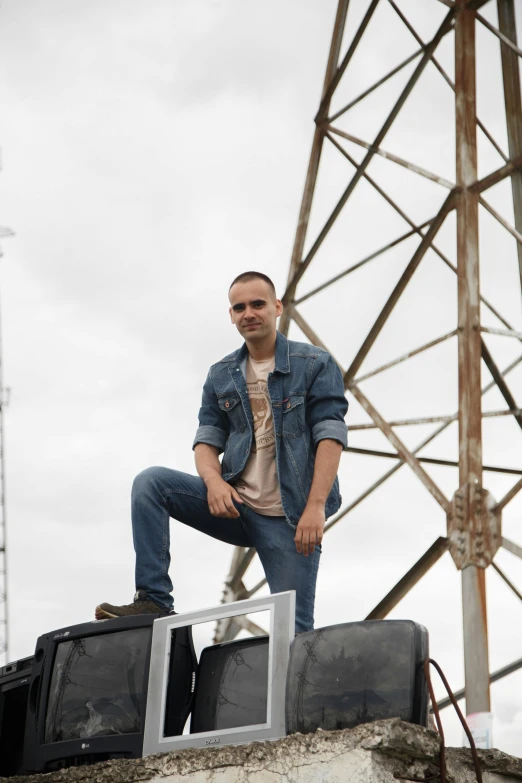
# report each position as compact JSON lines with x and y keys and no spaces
{"x":282,"y":354}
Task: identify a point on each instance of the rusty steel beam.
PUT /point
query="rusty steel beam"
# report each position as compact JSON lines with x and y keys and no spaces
{"x":502,"y":332}
{"x":405,"y":278}
{"x":406,"y":356}
{"x":430,"y":48}
{"x":515,"y":549}
{"x":476,"y":656}
{"x":374,"y":86}
{"x":410,"y":579}
{"x":404,"y":452}
{"x":361,"y":263}
{"x":436,"y":461}
{"x":497,"y":176}
{"x":509,"y":496}
{"x":315,"y":155}
{"x":241,"y":567}
{"x":503,"y":222}
{"x":516,"y":412}
{"x":513,"y":104}
{"x":498,"y":675}
{"x":503,"y":38}
{"x":393,"y":158}
{"x":474,"y":5}
{"x":507,"y":581}
{"x":500,"y":381}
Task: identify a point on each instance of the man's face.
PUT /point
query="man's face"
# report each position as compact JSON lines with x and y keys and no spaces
{"x":254,"y":309}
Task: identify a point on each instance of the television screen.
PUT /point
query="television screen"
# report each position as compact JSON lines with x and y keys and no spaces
{"x":96,"y":685}
{"x":344,"y":675}
{"x":232,"y":685}
{"x":14,"y":694}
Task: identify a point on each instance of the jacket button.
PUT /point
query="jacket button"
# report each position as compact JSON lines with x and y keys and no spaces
{"x":289,"y":405}
{"x":227,"y":404}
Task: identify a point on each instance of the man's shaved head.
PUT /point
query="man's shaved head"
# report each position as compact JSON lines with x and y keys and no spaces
{"x":247,"y":277}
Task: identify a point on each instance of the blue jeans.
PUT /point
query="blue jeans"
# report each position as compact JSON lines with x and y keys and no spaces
{"x":161,"y":493}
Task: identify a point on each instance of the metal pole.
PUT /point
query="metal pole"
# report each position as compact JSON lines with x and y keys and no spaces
{"x":513,"y":103}
{"x":476,"y":663}
{"x":4,"y":621}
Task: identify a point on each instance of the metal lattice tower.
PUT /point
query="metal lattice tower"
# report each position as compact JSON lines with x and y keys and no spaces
{"x":429,"y":220}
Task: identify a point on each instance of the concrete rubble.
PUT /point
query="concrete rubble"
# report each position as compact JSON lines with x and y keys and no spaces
{"x":381,"y":752}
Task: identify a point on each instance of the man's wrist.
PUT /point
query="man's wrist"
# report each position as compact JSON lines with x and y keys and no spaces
{"x":316,"y":503}
{"x":214,"y":476}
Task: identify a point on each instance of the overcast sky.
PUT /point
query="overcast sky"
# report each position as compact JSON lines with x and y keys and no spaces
{"x":151,"y":152}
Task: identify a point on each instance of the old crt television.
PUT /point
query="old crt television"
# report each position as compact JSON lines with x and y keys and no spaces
{"x":344,"y":675}
{"x":240,"y":686}
{"x":231,"y":686}
{"x":88,"y":692}
{"x":14,"y":694}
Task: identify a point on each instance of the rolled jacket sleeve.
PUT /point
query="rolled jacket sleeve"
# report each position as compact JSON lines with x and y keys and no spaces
{"x":326,"y":404}
{"x":213,"y":423}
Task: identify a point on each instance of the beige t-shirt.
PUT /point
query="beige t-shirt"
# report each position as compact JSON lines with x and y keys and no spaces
{"x":258,"y":485}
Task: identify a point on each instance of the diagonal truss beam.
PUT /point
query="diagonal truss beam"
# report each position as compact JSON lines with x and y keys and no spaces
{"x":404,"y":452}
{"x":498,"y":675}
{"x":410,"y":579}
{"x":500,"y":381}
{"x":505,"y":40}
{"x":393,"y":158}
{"x":405,"y":278}
{"x":406,"y":356}
{"x":508,"y":170}
{"x":433,"y":420}
{"x":503,"y":222}
{"x":507,"y":581}
{"x":363,"y":262}
{"x":515,"y":549}
{"x":377,"y":84}
{"x":508,"y":497}
{"x":435,"y":461}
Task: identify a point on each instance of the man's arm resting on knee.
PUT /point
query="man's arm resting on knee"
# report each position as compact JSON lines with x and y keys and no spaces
{"x":220,"y":495}
{"x":310,"y":529}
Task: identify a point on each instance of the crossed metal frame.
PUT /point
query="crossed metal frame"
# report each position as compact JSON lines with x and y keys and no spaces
{"x":464,"y":196}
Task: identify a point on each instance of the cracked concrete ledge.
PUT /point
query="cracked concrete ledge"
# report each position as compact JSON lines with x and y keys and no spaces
{"x":380,"y":752}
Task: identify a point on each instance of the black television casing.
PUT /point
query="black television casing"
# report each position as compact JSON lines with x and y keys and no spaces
{"x":343,"y":675}
{"x":15,"y":678}
{"x":231,"y":685}
{"x":42,"y":756}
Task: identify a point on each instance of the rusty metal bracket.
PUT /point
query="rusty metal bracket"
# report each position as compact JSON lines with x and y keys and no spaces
{"x":476,"y":544}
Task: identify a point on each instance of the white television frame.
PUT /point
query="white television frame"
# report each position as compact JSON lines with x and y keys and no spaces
{"x":281,"y":635}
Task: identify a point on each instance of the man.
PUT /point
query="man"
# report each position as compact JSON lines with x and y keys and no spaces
{"x":276,"y":409}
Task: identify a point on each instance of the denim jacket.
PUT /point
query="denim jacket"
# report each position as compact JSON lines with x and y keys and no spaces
{"x":308,"y":404}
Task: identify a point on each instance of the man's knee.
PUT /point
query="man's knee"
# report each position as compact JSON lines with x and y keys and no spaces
{"x":149,"y":480}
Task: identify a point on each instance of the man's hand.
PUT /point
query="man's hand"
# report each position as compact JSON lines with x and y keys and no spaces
{"x":309,"y":532}
{"x":220,"y":498}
